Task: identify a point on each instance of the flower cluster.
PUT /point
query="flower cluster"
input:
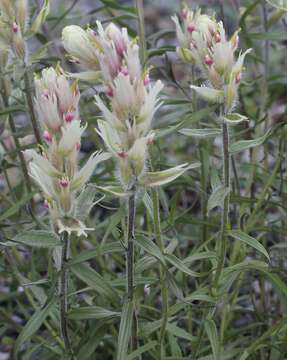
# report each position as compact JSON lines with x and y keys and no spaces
{"x":55,"y":171}
{"x":130,"y":99}
{"x":14,"y":29}
{"x":204,"y":43}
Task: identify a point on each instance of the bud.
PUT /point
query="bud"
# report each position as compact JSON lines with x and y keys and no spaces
{"x":15,"y":28}
{"x":64,"y":183}
{"x":208,"y":61}
{"x":122,"y":154}
{"x":47,"y":136}
{"x":113,"y":33}
{"x":18,"y":42}
{"x":184,"y":13}
{"x":190,"y":28}
{"x":77,"y":42}
{"x":185,"y":54}
{"x":21,"y":9}
{"x":69,"y":116}
{"x":124,"y":70}
{"x":109,"y":91}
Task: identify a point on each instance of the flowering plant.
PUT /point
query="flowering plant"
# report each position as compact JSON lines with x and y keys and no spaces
{"x":56,"y":169}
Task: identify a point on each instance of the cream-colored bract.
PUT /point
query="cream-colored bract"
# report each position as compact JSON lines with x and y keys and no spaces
{"x":131,"y":99}
{"x":56,"y":170}
{"x":204,"y":43}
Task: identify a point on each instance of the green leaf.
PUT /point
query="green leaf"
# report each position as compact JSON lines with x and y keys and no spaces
{"x":38,"y":238}
{"x":212,"y":334}
{"x":94,"y":280}
{"x":247,"y":144}
{"x":115,"y":5}
{"x":234,"y":119}
{"x":240,"y":235}
{"x":150,"y":247}
{"x":85,"y":202}
{"x":160,"y":50}
{"x":33,"y":325}
{"x":279,"y":4}
{"x":125,"y":330}
{"x":141,"y":350}
{"x":16,"y":207}
{"x":41,"y":17}
{"x":176,"y":262}
{"x":217,"y":197}
{"x":200,"y":133}
{"x":166,"y":176}
{"x":270,"y":35}
{"x":91,"y":312}
{"x":178,"y":332}
{"x":209,"y":94}
{"x":12,"y":109}
{"x":109,"y":248}
{"x":113,"y":190}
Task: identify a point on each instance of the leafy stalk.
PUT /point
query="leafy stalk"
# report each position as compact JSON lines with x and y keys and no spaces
{"x":29,"y":98}
{"x":141,"y":29}
{"x":130,"y":264}
{"x":15,"y":138}
{"x":63,"y":289}
{"x":225,"y":210}
{"x":164,"y":290}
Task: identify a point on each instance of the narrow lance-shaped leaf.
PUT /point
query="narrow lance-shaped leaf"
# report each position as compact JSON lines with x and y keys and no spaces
{"x":125,"y":331}
{"x":279,"y":4}
{"x":41,"y":17}
{"x":91,"y":312}
{"x":33,"y":325}
{"x":234,"y":119}
{"x":240,"y":235}
{"x":213,"y":337}
{"x":38,"y":238}
{"x":94,"y":280}
{"x":247,"y":144}
{"x":217,"y":197}
{"x":164,"y":177}
{"x":209,"y":94}
{"x":200,"y":133}
{"x":16,"y":207}
{"x":116,"y":191}
{"x":150,"y":247}
{"x":173,"y":260}
{"x":141,"y":350}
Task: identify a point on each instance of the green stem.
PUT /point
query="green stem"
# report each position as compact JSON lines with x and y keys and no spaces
{"x":203,"y":192}
{"x":63,"y":289}
{"x":29,"y":97}
{"x":225,"y":210}
{"x":12,"y":262}
{"x":164,"y":289}
{"x":141,"y":29}
{"x":5,"y":96}
{"x":252,"y":219}
{"x":130,"y":264}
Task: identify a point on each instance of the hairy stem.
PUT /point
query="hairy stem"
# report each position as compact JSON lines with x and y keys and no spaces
{"x":225,"y":210}
{"x":164,"y":289}
{"x":12,"y":260}
{"x":203,"y":179}
{"x":130,"y":263}
{"x":141,"y":29}
{"x":29,"y":98}
{"x":63,"y":289}
{"x":16,"y":140}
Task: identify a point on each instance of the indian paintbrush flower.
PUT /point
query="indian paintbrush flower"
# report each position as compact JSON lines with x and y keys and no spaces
{"x":131,"y":99}
{"x":14,"y":29}
{"x":208,"y":48}
{"x":56,"y":170}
